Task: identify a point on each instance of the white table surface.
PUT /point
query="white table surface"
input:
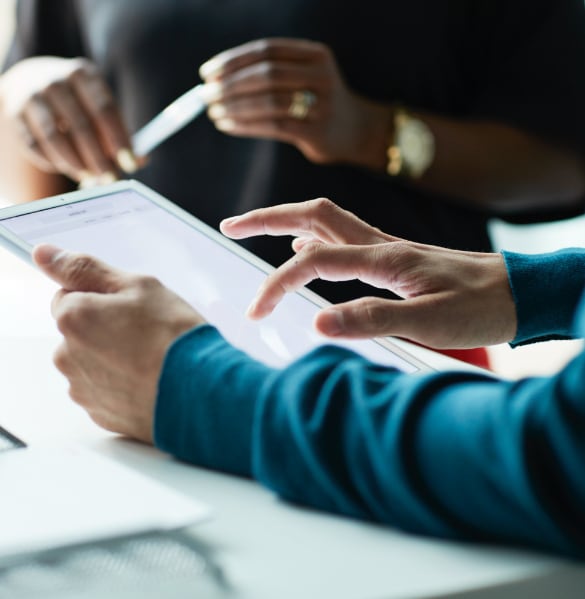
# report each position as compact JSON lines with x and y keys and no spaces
{"x":268,"y":549}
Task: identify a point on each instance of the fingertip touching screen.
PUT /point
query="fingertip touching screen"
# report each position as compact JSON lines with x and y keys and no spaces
{"x":141,"y":232}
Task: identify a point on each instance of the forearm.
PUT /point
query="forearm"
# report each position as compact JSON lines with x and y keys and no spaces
{"x":501,"y":168}
{"x":493,"y":166}
{"x":452,"y":454}
{"x":206,"y":402}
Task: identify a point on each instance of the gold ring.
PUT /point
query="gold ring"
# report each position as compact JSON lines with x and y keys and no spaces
{"x":300,"y":104}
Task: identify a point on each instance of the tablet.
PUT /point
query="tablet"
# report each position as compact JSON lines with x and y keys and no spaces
{"x":130,"y":226}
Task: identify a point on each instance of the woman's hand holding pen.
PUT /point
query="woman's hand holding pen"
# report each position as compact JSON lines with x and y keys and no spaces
{"x":66,"y":118}
{"x":292,"y":91}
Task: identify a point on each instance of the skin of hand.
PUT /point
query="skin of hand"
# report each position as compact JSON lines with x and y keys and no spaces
{"x":452,"y":299}
{"x":251,"y":88}
{"x":117,"y":328}
{"x":489,"y":164}
{"x":66,"y":119}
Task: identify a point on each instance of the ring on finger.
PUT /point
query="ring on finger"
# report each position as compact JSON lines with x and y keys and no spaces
{"x":300,"y":104}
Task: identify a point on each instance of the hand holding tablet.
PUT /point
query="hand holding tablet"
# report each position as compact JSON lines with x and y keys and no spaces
{"x":132,"y":228}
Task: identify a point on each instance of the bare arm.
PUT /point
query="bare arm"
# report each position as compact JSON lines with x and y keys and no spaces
{"x":491,"y":165}
{"x":502,"y":168}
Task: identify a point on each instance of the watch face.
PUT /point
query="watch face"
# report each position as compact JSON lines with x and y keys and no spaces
{"x":417,"y":146}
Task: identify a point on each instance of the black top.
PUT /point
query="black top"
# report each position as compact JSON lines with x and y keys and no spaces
{"x":521,"y":62}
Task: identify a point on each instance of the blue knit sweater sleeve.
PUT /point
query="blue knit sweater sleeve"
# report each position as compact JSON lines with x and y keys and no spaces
{"x":453,"y":454}
{"x":546,"y":290}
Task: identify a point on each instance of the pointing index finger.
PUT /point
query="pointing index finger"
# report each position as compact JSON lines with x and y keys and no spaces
{"x":319,"y":219}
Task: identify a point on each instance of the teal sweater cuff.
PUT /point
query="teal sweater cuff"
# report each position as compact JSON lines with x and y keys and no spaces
{"x":546,"y":290}
{"x":205,"y":406}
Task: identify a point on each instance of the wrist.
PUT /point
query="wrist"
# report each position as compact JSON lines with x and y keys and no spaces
{"x":374,"y":130}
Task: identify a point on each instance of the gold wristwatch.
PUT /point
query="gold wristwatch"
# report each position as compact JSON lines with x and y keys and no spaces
{"x":412,"y":148}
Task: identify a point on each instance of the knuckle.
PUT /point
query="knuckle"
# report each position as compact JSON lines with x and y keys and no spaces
{"x":323,"y":50}
{"x":264,"y":49}
{"x":81,"y":67}
{"x":102,"y":418}
{"x":53,"y":88}
{"x":61,"y":359}
{"x":370,"y":310}
{"x":398,"y":252}
{"x":78,"y":268}
{"x":147,"y":283}
{"x":269,"y":71}
{"x":310,"y":252}
{"x":36,"y":99}
{"x":78,"y":396}
{"x":322,"y":207}
{"x":68,"y":321}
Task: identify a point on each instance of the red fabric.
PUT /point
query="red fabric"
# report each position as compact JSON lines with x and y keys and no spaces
{"x":478,"y":356}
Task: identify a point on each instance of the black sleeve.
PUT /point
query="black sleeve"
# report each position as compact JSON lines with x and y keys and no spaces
{"x":43,"y":28}
{"x":530,"y":70}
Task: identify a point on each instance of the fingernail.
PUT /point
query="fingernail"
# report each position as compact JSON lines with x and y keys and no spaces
{"x":251,"y":309}
{"x":217,"y":111}
{"x":96,"y":180}
{"x":87,"y":180}
{"x":225,"y":124}
{"x":213,"y":67}
{"x":107,"y":178}
{"x":46,"y":254}
{"x":127,"y":161}
{"x":211,"y":92}
{"x":331,"y":322}
{"x":228,"y":222}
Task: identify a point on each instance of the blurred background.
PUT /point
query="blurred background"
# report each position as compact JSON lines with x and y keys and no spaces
{"x":6,"y":23}
{"x":542,"y":358}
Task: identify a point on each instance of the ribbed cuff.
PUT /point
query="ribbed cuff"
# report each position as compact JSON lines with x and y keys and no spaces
{"x":546,"y":290}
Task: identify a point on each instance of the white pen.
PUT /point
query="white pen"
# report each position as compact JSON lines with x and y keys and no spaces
{"x":174,"y":117}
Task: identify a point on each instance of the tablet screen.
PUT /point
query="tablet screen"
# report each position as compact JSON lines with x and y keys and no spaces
{"x":137,"y":233}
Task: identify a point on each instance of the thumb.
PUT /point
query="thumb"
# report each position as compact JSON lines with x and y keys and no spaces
{"x":75,"y":271}
{"x":371,"y":317}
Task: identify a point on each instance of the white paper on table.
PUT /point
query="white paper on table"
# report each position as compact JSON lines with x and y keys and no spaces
{"x":53,"y":497}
